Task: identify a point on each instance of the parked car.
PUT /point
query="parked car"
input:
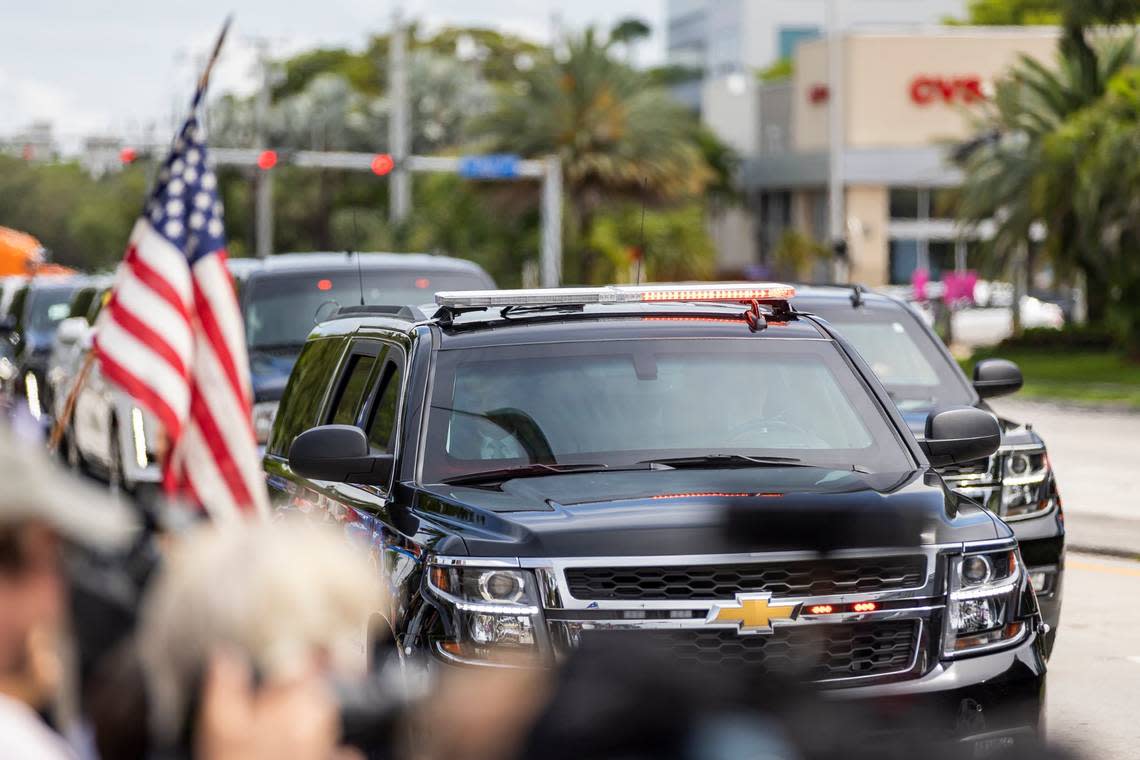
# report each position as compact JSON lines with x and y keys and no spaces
{"x":284,"y":296}
{"x":109,"y":435}
{"x":1016,"y":483}
{"x":729,"y":481}
{"x":37,"y":308}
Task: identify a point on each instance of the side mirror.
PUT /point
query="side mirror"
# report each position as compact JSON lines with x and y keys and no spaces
{"x":339,"y":453}
{"x":997,"y":377}
{"x":959,"y":435}
{"x":71,"y":331}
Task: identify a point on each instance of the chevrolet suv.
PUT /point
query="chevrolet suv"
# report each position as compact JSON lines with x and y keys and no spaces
{"x":702,"y":467}
{"x":1017,"y":482}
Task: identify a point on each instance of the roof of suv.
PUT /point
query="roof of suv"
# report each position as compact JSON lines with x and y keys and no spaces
{"x":325,"y":261}
{"x":850,"y":294}
{"x":596,"y":321}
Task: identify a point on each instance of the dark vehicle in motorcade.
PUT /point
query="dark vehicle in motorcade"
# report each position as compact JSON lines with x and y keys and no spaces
{"x":920,"y":375}
{"x":283,"y":296}
{"x":535,"y":468}
{"x":29,"y":327}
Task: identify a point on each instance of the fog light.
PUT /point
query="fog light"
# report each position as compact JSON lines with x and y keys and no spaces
{"x":1039,"y":580}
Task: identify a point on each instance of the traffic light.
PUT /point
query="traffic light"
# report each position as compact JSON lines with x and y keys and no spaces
{"x":267,"y":160}
{"x":128,"y":155}
{"x":382,"y":164}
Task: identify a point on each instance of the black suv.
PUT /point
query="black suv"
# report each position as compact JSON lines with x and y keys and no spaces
{"x":920,"y":375}
{"x":283,"y":296}
{"x":728,"y":480}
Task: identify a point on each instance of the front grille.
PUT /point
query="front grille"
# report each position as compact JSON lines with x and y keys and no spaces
{"x":812,"y":652}
{"x":799,"y":578}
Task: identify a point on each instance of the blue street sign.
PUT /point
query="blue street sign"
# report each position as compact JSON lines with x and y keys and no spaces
{"x":493,"y":166}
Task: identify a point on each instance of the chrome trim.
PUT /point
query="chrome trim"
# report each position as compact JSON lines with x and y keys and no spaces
{"x":453,"y":659}
{"x":489,"y":562}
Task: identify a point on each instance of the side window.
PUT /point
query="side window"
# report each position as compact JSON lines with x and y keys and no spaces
{"x":385,"y":408}
{"x":301,"y":402}
{"x":353,"y":386}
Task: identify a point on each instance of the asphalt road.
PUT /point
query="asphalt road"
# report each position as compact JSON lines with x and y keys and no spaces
{"x":1093,"y":702}
{"x":1096,"y":455}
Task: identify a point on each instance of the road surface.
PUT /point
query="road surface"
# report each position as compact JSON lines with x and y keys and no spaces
{"x":1093,"y":703}
{"x":1096,"y":455}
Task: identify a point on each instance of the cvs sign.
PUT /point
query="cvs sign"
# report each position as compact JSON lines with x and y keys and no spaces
{"x":925,"y":90}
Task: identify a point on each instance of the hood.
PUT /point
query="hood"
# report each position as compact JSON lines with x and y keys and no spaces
{"x":705,"y":512}
{"x":269,"y":371}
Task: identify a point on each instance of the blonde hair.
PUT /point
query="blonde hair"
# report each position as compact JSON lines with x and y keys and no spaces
{"x":274,"y":593}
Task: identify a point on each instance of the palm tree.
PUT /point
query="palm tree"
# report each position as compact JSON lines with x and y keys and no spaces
{"x":618,"y":137}
{"x":1012,"y":174}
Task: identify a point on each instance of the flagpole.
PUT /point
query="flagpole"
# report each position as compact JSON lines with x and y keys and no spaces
{"x":64,"y":420}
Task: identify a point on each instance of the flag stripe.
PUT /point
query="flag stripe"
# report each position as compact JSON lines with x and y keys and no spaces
{"x":213,"y":333}
{"x":161,"y":287}
{"x":122,"y":377}
{"x":215,"y":441}
{"x":148,"y":337}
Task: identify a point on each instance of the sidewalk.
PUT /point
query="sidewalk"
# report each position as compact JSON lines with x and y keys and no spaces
{"x":1096,"y":456}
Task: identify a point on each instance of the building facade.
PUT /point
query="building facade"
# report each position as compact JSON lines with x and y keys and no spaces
{"x":908,"y":96}
{"x":719,"y":37}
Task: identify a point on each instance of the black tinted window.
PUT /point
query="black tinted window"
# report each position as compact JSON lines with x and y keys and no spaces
{"x":622,"y":402}
{"x":81,"y":302}
{"x":301,"y":402}
{"x":382,"y":426}
{"x":353,"y":384}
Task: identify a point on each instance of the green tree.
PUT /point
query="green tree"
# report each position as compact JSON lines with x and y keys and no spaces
{"x":1011,"y":177}
{"x":1012,"y":12}
{"x":617,"y":137}
{"x":1101,"y":142}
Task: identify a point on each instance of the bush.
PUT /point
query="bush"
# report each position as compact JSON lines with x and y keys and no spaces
{"x":1087,"y":337}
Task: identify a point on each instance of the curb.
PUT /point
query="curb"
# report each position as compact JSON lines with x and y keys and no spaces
{"x":1104,"y":551}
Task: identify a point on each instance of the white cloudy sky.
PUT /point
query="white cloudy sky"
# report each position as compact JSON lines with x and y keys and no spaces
{"x":115,"y":65}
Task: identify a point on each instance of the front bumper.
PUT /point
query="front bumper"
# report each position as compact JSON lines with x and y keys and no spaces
{"x":990,"y":702}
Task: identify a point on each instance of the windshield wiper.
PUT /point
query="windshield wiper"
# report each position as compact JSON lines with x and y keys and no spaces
{"x":521,"y":471}
{"x":729,"y":460}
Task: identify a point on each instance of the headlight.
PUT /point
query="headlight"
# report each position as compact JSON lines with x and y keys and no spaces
{"x":1025,"y":483}
{"x":263,"y":414}
{"x":494,"y":610}
{"x":983,"y":609}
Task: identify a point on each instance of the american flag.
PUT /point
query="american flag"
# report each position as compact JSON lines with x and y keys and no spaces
{"x":171,"y":336}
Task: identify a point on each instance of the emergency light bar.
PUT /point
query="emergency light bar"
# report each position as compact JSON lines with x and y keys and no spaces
{"x":615,"y":294}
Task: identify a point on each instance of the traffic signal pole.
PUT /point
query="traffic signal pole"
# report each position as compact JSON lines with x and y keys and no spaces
{"x":399,"y":127}
{"x":497,"y":167}
{"x":263,"y":201}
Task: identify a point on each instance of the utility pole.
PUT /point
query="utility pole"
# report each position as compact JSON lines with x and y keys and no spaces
{"x":264,"y":200}
{"x":399,"y":129}
{"x":836,"y":203}
{"x":551,"y":269}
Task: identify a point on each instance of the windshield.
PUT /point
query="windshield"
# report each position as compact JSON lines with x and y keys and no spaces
{"x":623,"y":402}
{"x":48,"y":307}
{"x":280,"y":310}
{"x":913,"y":368}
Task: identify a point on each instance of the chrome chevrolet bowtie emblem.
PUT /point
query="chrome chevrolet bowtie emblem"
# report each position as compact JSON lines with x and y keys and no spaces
{"x":752,"y":613}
